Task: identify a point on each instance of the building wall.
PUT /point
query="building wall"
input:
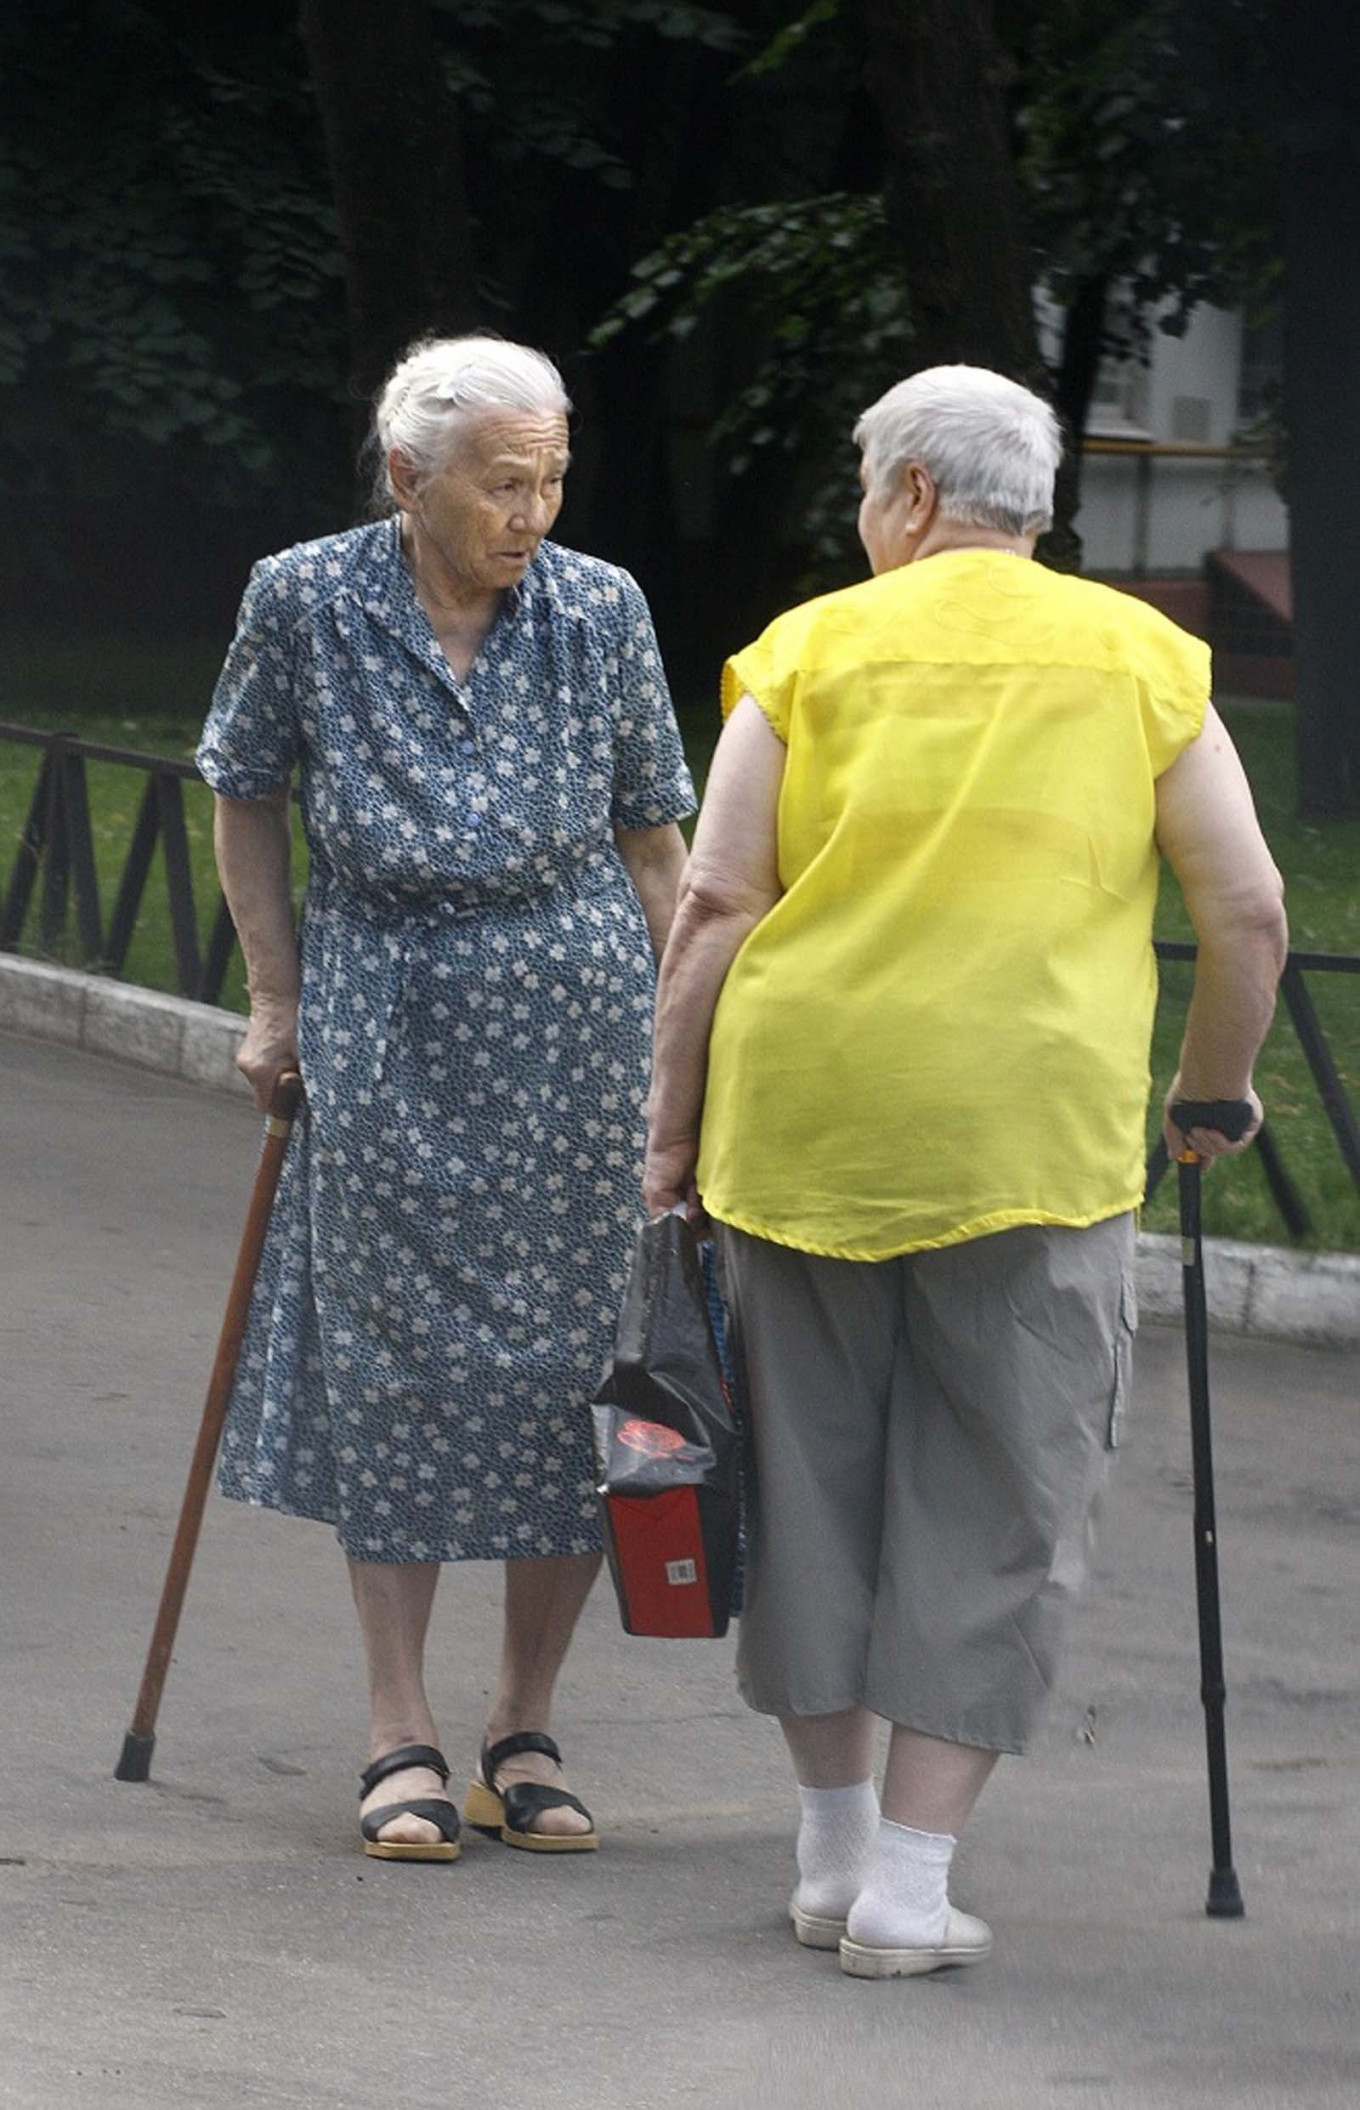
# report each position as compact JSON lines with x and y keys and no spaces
{"x":1192,"y":508}
{"x":1189,"y":392}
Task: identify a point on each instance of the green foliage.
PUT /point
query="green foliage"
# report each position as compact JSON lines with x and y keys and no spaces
{"x":791,"y":38}
{"x":1141,"y":162}
{"x":1143,"y":156}
{"x":171,"y":286}
{"x":814,"y":281}
{"x":171,"y":299}
{"x":530,"y":74}
{"x":595,"y":25}
{"x":171,"y":266}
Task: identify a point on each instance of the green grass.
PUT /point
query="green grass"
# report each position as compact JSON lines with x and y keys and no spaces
{"x":144,"y":683}
{"x":1321,"y":868}
{"x":121,"y":692}
{"x":152,"y":697}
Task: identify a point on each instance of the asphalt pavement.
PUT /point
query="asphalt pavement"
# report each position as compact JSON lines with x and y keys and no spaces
{"x":216,"y":1941}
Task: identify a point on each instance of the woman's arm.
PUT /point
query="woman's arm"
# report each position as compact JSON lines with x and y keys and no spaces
{"x":654,"y":859}
{"x":1209,"y":835}
{"x":253,"y":839}
{"x":731,"y":882}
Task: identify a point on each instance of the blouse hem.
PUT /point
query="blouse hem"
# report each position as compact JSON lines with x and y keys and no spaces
{"x":976,"y":1227}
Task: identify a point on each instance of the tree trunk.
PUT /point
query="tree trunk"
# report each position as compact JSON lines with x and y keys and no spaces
{"x":392,"y":144}
{"x":1074,"y":385}
{"x":1321,"y":239}
{"x":952,"y":198}
{"x":937,"y":74}
{"x":667,"y":112}
{"x":1079,"y":361}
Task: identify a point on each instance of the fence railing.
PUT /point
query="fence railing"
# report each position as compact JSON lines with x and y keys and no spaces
{"x":1145,"y":454}
{"x":1326,"y":1077}
{"x":55,"y":862}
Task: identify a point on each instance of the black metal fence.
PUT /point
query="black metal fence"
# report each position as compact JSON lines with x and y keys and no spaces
{"x":1321,"y":1062}
{"x":55,"y":861}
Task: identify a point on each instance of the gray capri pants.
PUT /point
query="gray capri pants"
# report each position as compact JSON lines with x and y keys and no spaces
{"x":930,"y":1434}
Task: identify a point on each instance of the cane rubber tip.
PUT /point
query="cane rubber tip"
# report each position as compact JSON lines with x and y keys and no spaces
{"x":1225,"y":1896}
{"x":135,"y":1759}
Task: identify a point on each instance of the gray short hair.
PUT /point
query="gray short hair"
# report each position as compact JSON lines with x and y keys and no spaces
{"x":992,"y":447}
{"x":441,"y":385}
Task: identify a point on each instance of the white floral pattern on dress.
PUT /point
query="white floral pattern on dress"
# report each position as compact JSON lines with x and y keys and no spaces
{"x":447,"y":1254}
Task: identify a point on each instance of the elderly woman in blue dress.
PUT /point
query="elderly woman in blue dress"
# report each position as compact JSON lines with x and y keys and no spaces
{"x":490,"y":778}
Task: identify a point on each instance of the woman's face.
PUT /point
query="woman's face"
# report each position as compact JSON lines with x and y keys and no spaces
{"x":483,"y":516}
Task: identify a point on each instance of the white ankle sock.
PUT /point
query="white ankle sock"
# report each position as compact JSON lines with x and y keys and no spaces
{"x":835,"y":1840}
{"x":904,"y":1903}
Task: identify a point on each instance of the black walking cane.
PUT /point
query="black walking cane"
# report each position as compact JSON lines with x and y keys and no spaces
{"x":134,"y":1762}
{"x":1230,"y":1118}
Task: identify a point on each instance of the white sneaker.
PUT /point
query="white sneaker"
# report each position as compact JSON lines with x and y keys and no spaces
{"x":815,"y":1930}
{"x":966,"y":1940}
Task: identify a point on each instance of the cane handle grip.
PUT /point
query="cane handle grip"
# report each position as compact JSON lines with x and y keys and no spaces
{"x":1227,"y":1117}
{"x":285,"y":1099}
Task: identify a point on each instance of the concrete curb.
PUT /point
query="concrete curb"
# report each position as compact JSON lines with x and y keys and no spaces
{"x":194,"y":1042}
{"x":1265,"y":1292}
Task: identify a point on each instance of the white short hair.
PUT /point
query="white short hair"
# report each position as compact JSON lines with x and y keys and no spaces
{"x":440,"y":386}
{"x":991,"y":447}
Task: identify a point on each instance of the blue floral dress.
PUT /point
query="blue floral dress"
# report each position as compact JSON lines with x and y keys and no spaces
{"x":445,"y":1263}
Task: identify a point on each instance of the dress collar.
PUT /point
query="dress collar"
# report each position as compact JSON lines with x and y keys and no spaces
{"x":389,"y":596}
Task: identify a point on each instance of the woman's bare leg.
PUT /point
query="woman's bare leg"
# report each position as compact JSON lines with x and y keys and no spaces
{"x":931,"y":1785}
{"x":929,"y":1789}
{"x":831,"y":1750}
{"x":543,"y":1601}
{"x":394,"y":1599}
{"x":833,"y":1758}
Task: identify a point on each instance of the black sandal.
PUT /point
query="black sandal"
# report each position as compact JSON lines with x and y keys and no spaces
{"x":508,"y":1816}
{"x":440,"y":1813}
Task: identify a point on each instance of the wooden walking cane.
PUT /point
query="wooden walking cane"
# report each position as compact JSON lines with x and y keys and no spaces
{"x":135,"y":1760}
{"x":1230,"y":1118}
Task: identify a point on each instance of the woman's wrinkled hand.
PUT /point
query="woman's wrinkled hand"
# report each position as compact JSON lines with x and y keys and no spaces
{"x":668,"y":1181}
{"x":268,"y":1049}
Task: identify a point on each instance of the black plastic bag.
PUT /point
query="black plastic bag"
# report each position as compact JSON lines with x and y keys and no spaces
{"x":667,"y":1448}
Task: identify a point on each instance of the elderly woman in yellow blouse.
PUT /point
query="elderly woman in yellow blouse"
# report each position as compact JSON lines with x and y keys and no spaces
{"x":902,"y":1062}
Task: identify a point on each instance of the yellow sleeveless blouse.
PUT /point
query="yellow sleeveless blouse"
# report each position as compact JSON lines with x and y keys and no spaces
{"x":941,"y":1029}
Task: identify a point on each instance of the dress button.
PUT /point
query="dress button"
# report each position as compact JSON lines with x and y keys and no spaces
{"x":469,"y":747}
{"x":474,"y":820}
